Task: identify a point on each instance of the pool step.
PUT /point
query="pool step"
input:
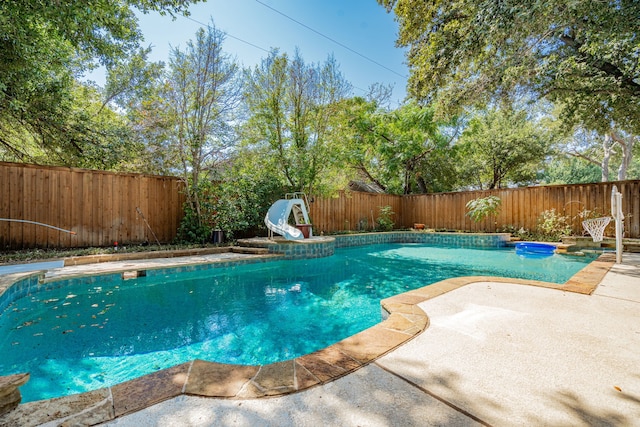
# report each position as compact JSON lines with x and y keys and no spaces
{"x":249,"y":250}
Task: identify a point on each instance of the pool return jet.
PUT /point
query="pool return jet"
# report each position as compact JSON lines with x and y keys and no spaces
{"x":277,"y":218}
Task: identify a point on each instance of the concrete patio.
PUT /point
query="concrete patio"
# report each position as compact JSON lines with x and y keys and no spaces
{"x":494,"y":354}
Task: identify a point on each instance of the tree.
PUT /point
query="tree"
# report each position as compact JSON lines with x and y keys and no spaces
{"x":603,"y":152}
{"x":44,"y":48}
{"x":402,"y":151}
{"x":136,"y":87}
{"x":581,"y":53}
{"x":85,"y":134}
{"x":570,"y":170}
{"x":502,"y":147}
{"x":93,"y":31}
{"x":291,"y":105}
{"x":199,"y":100}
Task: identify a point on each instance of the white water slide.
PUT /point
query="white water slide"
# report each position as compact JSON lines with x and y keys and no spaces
{"x":277,"y":218}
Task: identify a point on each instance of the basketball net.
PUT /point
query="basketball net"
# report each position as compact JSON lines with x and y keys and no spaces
{"x":595,"y":227}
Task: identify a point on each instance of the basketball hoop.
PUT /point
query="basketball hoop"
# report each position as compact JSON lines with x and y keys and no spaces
{"x":595,"y":227}
{"x":618,"y":216}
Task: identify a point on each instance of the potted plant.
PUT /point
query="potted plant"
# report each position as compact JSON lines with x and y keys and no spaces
{"x":305,"y":228}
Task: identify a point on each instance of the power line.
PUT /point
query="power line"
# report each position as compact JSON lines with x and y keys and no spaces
{"x":332,"y":40}
{"x":229,"y":35}
{"x":268,"y":51}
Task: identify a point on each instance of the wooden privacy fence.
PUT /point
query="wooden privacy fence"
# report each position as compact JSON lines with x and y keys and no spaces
{"x":521,"y":207}
{"x":351,"y":211}
{"x":105,"y":207}
{"x":100,"y":207}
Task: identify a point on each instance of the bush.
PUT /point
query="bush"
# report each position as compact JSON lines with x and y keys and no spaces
{"x":192,"y":229}
{"x":519,"y":232}
{"x":552,"y":226}
{"x":385,"y":223}
{"x":480,"y":208}
{"x":236,"y":203}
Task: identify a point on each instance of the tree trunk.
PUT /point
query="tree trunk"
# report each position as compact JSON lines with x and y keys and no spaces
{"x":627,"y":153}
{"x":422,"y":185}
{"x":606,"y":149}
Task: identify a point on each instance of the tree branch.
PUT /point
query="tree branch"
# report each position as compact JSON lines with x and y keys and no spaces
{"x":584,"y":157}
{"x":604,"y":66}
{"x":364,"y":170}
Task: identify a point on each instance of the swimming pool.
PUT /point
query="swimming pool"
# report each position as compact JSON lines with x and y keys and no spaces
{"x":80,"y":337}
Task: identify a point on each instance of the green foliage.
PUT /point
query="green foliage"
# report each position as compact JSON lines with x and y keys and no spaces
{"x":188,"y":120}
{"x":44,"y":47}
{"x":481,"y":208}
{"x":243,"y":201}
{"x":235,"y":203}
{"x":86,"y":135}
{"x":581,"y":53}
{"x":502,"y":147}
{"x":384,"y":220}
{"x":192,"y":229}
{"x":402,"y":151}
{"x":552,"y":225}
{"x":519,"y":232}
{"x":292,"y":106}
{"x":570,"y":170}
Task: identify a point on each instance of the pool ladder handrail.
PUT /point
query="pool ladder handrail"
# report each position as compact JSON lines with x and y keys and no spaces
{"x":297,"y":212}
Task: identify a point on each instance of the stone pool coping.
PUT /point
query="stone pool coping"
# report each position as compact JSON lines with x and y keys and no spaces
{"x":404,"y":321}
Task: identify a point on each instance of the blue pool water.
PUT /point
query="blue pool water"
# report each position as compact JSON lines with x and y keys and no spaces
{"x":79,"y":337}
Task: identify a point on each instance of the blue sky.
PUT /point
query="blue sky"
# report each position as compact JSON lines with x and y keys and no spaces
{"x":361,"y":25}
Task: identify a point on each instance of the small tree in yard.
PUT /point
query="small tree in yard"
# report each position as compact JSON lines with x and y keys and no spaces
{"x":480,"y":208}
{"x":385,"y":223}
{"x":200,"y":96}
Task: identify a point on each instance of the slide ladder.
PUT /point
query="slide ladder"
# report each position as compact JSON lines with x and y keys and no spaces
{"x":277,"y":218}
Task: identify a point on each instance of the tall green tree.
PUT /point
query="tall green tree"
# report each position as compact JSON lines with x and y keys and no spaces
{"x":199,"y":101}
{"x":86,"y":135}
{"x":44,"y":48}
{"x":291,"y":106}
{"x":402,"y":151}
{"x":581,"y":53}
{"x":501,"y":148}
{"x":612,"y":153}
{"x":570,"y":170}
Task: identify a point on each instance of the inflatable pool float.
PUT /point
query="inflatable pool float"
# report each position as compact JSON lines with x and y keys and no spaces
{"x":535,"y":249}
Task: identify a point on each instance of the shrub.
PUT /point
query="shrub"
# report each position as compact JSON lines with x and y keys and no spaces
{"x":192,"y":229}
{"x":480,"y":208}
{"x":552,"y":226}
{"x":385,"y":223}
{"x":519,"y":232}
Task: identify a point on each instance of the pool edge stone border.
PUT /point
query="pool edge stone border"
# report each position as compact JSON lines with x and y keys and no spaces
{"x":324,"y":246}
{"x":403,"y":320}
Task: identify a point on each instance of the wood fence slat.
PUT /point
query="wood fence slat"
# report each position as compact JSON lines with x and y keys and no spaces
{"x":77,"y":183}
{"x":41,"y":208}
{"x":15,"y":209}
{"x":144,"y":207}
{"x":101,"y":207}
{"x":110,"y":231}
{"x":28,"y":190}
{"x":5,"y":203}
{"x":634,"y":198}
{"x":66,"y":204}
